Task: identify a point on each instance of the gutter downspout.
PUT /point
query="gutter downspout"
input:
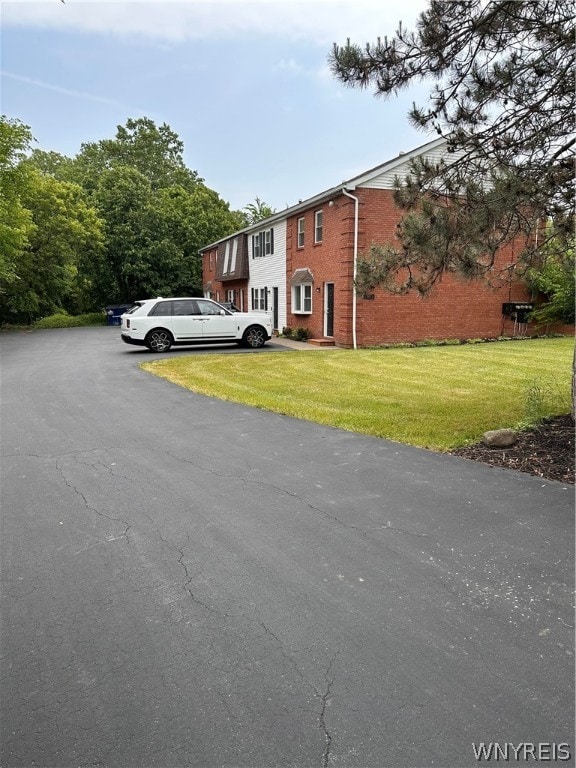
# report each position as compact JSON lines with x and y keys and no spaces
{"x":356,"y":204}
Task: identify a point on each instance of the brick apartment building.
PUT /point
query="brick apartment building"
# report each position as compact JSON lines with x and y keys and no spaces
{"x":298,"y":265}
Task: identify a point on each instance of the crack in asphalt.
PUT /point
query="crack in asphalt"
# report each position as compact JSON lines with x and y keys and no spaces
{"x":97,"y":463}
{"x":174,"y":548}
{"x":366,"y":534}
{"x":313,"y":507}
{"x":88,"y":506}
{"x":284,"y":491}
{"x":189,"y":581}
{"x":391,"y":527}
{"x":322,"y":696}
{"x":322,"y":719}
{"x":184,"y":567}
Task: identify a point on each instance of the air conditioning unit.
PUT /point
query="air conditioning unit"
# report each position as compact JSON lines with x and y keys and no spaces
{"x":517,"y":310}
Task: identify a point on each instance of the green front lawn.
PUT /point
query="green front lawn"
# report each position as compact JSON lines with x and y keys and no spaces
{"x":433,"y":397}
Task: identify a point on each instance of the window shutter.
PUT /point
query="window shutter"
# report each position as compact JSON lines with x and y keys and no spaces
{"x":252,"y":299}
{"x":272,"y":240}
{"x":265,"y":299}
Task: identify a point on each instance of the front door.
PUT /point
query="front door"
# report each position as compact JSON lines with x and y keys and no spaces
{"x":328,"y":309}
{"x":275,"y":308}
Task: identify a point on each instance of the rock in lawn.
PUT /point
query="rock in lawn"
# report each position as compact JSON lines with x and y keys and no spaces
{"x":500,"y":438}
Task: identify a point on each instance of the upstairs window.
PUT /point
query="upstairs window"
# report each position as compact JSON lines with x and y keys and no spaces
{"x":301,"y":232}
{"x":318,"y":227}
{"x":233,"y":256}
{"x":257,"y":246}
{"x":263,"y":243}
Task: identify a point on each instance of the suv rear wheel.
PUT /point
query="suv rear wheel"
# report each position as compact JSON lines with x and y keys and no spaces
{"x":159,"y":340}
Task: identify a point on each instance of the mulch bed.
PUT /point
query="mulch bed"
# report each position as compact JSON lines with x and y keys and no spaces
{"x":546,"y":451}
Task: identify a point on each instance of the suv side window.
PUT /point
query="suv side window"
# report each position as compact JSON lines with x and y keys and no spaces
{"x":163,"y":308}
{"x":209,"y":308}
{"x":184,"y":308}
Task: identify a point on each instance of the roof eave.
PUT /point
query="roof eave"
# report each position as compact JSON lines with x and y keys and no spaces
{"x":349,"y":185}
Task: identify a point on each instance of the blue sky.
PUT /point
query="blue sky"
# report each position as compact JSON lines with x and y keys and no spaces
{"x":246,"y":86}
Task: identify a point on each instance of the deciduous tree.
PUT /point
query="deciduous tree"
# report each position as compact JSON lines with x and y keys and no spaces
{"x":154,"y":151}
{"x":156,"y":212}
{"x":555,"y":282}
{"x":16,"y":225}
{"x":66,"y":231}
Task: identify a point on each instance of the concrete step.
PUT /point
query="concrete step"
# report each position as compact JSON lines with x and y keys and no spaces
{"x":322,"y":342}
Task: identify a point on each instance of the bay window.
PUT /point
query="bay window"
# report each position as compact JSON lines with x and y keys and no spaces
{"x":302,"y":299}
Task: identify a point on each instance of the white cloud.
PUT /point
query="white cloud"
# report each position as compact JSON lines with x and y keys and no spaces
{"x":322,"y":21}
{"x":289,"y":65}
{"x":59,"y":89}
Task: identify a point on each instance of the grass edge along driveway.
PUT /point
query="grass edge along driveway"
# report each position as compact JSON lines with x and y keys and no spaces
{"x":432,"y":397}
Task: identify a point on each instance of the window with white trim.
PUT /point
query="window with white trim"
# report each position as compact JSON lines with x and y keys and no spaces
{"x":318,"y":226}
{"x":301,"y":232}
{"x":260,"y":299}
{"x":263,"y":243}
{"x":302,"y":299}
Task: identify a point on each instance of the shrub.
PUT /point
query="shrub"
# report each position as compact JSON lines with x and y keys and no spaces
{"x":68,"y":321}
{"x":287,"y":332}
{"x":301,"y":334}
{"x":542,"y":398}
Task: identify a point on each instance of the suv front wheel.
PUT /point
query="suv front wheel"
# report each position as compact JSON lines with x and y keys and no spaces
{"x":159,"y":340}
{"x":254,"y":337}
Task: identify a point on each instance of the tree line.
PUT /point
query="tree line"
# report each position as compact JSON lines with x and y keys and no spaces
{"x":123,"y":219}
{"x":126,"y":218}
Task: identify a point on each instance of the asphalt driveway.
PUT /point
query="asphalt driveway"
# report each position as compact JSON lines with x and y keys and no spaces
{"x":189,"y":582}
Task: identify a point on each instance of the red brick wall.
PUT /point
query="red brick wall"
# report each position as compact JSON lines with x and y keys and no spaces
{"x":329,"y":261}
{"x":454,"y":309}
{"x":209,"y":269}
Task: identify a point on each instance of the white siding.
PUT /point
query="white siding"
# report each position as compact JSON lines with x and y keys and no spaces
{"x":270,"y":271}
{"x":385,"y":180}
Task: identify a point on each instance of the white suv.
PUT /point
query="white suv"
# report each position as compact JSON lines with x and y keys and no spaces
{"x":160,"y":323}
